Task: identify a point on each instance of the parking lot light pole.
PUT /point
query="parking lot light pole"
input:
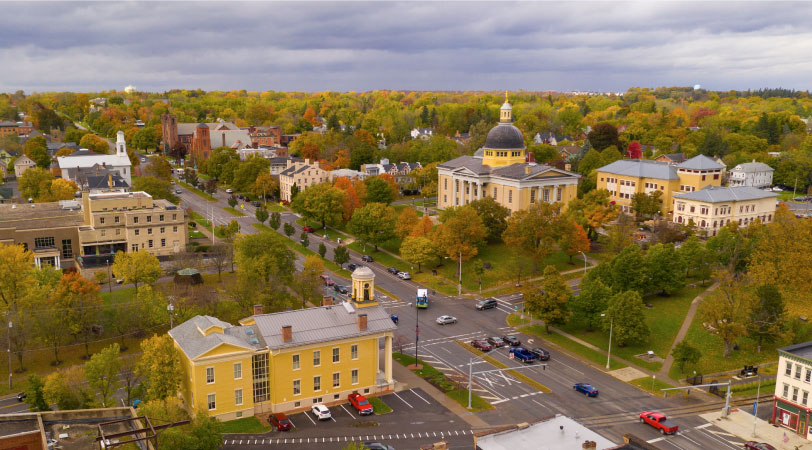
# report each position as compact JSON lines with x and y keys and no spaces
{"x":582,"y":254}
{"x":609,"y":351}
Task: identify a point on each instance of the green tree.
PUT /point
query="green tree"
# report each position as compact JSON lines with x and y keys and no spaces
{"x":768,"y":315}
{"x":418,"y":250}
{"x":341,"y":255}
{"x":160,"y":168}
{"x":264,"y":263}
{"x":695,"y":258}
{"x":714,"y":145}
{"x":685,"y":353}
{"x":621,"y":234}
{"x":95,"y":143}
{"x":494,"y":217}
{"x":378,"y":191}
{"x":322,"y":249}
{"x":590,"y":303}
{"x":67,"y":389}
{"x":160,"y":367}
{"x":723,"y":311}
{"x":41,"y":157}
{"x":232,"y":201}
{"x":156,"y":187}
{"x":34,"y":143}
{"x":138,"y":267}
{"x":590,"y":161}
{"x":35,"y":182}
{"x":549,"y":300}
{"x":307,"y":282}
{"x":532,"y":231}
{"x":248,"y":171}
{"x":665,"y":269}
{"x":266,"y":185}
{"x":373,"y":224}
{"x":144,"y":138}
{"x":275,"y":220}
{"x":35,"y":395}
{"x":603,"y":135}
{"x":219,"y":162}
{"x":647,"y":205}
{"x":289,"y":229}
{"x":629,"y":271}
{"x":102,"y":371}
{"x":304,"y":239}
{"x":322,"y":202}
{"x":624,"y":315}
{"x":262,"y":215}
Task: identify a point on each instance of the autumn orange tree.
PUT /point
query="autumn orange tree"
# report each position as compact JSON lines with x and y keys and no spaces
{"x":593,"y":211}
{"x":460,"y":234}
{"x":533,"y":231}
{"x":573,"y":239}
{"x":423,"y":227}
{"x":84,"y":305}
{"x":406,"y":223}
{"x":352,"y":200}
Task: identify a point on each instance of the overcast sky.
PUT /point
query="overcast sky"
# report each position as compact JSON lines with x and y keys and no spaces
{"x":341,"y":46}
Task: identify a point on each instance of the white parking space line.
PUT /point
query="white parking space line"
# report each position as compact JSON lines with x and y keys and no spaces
{"x":404,"y":401}
{"x":540,"y":404}
{"x":331,"y":418}
{"x":706,"y":425}
{"x":291,"y":422}
{"x":347,"y":411}
{"x":308,"y":416}
{"x":418,"y":396}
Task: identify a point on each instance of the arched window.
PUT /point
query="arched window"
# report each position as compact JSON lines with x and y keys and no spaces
{"x":679,"y":219}
{"x":702,"y":223}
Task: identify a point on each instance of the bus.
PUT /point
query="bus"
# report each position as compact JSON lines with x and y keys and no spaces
{"x":422,"y":301}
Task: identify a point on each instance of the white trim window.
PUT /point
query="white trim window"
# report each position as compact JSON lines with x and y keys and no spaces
{"x":238,"y":397}
{"x":238,"y":371}
{"x":209,"y":375}
{"x":212,"y":401}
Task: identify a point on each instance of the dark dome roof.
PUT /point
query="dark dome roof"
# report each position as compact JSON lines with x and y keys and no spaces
{"x":505,"y":136}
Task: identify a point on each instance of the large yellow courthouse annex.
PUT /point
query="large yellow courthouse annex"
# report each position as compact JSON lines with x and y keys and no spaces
{"x":289,"y":360}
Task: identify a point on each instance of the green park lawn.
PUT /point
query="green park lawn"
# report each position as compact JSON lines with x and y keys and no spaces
{"x":651,"y":385}
{"x":572,"y":346}
{"x":664,"y":320}
{"x":234,"y":212}
{"x":245,"y":425}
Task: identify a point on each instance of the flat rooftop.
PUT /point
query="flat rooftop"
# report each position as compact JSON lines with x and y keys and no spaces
{"x":554,"y":433}
{"x":26,"y":216}
{"x":804,"y":350}
{"x":119,"y":195}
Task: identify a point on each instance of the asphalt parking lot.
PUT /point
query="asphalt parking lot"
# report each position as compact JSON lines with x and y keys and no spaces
{"x":416,"y":419}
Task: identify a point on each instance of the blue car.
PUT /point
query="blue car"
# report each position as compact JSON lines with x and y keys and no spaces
{"x":586,"y":389}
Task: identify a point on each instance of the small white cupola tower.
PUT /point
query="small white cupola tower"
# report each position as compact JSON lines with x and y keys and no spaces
{"x":121,"y":146}
{"x":506,"y":112}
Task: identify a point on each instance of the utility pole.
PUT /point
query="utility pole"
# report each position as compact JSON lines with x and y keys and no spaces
{"x":9,"y":350}
{"x":459,"y":284}
{"x":416,"y":332}
{"x":609,"y":352}
{"x":171,"y":308}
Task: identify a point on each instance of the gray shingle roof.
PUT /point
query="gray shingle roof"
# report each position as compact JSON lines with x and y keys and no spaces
{"x":700,"y":162}
{"x":641,"y":168}
{"x":320,"y":324}
{"x":679,"y":157}
{"x":469,"y":162}
{"x":517,"y":171}
{"x":716,"y":194}
{"x":753,"y":167}
{"x":194,"y":344}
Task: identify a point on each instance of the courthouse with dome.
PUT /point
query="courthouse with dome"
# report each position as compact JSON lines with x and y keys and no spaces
{"x":504,"y":170}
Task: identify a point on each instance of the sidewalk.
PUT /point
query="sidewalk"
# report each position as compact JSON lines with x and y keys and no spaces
{"x":740,"y":423}
{"x":406,"y":379}
{"x":686,"y":324}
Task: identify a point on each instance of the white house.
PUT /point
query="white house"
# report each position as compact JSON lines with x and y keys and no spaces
{"x":84,"y":161}
{"x":422,"y":133}
{"x":754,"y":174}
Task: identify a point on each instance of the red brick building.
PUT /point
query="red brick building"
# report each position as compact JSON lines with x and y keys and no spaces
{"x":19,"y":128}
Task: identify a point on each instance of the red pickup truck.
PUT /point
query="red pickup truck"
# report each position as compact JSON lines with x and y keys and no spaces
{"x":659,"y":421}
{"x":360,"y":403}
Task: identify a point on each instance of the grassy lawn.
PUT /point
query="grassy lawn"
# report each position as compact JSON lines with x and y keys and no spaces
{"x":572,"y":346}
{"x":788,"y":197}
{"x":200,"y":220}
{"x":402,"y":206}
{"x":234,"y":212}
{"x":752,"y":389}
{"x":439,"y":380}
{"x":297,"y":247}
{"x":378,"y":406}
{"x":646,"y":384}
{"x":331,"y":232}
{"x":196,"y":191}
{"x":194,"y":234}
{"x":664,"y":321}
{"x":245,"y":425}
{"x":275,"y":207}
{"x":712,"y":349}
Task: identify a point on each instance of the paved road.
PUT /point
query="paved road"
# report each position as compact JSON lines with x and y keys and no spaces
{"x":10,"y":405}
{"x":613,"y":413}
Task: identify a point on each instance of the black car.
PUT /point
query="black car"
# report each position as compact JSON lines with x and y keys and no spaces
{"x":257,"y":203}
{"x":488,"y":303}
{"x":393,"y":270}
{"x":497,"y":342}
{"x":352,"y":267}
{"x":21,"y":396}
{"x":367,"y":258}
{"x":340,"y":289}
{"x":543,"y":355}
{"x":512,"y":341}
{"x":239,"y":196}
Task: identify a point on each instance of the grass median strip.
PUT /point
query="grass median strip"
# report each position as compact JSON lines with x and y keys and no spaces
{"x":651,"y":385}
{"x":378,"y":406}
{"x":196,"y":191}
{"x":515,"y":373}
{"x":234,"y":212}
{"x":450,"y":387}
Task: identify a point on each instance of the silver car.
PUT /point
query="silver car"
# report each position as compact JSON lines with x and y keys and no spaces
{"x":445,"y":320}
{"x":404,"y":276}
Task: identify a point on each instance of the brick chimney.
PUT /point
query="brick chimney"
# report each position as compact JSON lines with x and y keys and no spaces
{"x":530,"y":157}
{"x":287,"y":333}
{"x":362,"y":322}
{"x":589,"y":445}
{"x":257,"y":310}
{"x":326,"y":300}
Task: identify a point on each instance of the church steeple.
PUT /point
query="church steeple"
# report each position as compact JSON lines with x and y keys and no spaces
{"x":506,"y":112}
{"x":121,"y":145}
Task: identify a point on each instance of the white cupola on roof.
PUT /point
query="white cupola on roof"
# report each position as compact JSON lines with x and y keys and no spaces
{"x":121,"y":145}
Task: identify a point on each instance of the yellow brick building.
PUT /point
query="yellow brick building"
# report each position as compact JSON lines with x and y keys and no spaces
{"x":287,"y":361}
{"x":626,"y":178}
{"x":712,"y":208}
{"x":504,"y":170}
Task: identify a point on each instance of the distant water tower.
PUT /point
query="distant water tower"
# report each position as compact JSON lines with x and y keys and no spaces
{"x":129,"y":89}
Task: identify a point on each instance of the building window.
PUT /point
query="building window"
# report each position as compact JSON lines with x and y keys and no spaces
{"x":163,"y":230}
{"x":354,"y":355}
{"x":797,"y":371}
{"x":317,"y":383}
{"x":795,"y":395}
{"x":101,"y":220}
{"x":237,"y":371}
{"x":209,"y":375}
{"x":788,"y":371}
{"x":558,"y":193}
{"x":494,"y":192}
{"x":808,"y":375}
{"x":103,"y":233}
{"x":149,"y":219}
{"x":149,"y":230}
{"x":336,"y":354}
{"x":43,"y":242}
{"x":174,"y":217}
{"x":260,"y":368}
{"x":163,"y":242}
{"x":786,"y":391}
{"x":134,"y":247}
{"x":238,"y":397}
{"x":175,"y":229}
{"x":297,"y":387}
{"x":445,"y":183}
{"x":546,"y":196}
{"x":805,"y":398}
{"x":532,"y":195}
{"x":161,"y":217}
{"x":67,"y":249}
{"x":137,"y":232}
{"x":117,"y":219}
{"x":510,"y":196}
{"x":150,"y":243}
{"x":716,"y":176}
{"x":135,"y":219}
{"x":316,"y":358}
{"x":118,"y":231}
{"x":296,"y":362}
{"x":212,"y":402}
{"x":354,"y":375}
{"x":336,"y":380}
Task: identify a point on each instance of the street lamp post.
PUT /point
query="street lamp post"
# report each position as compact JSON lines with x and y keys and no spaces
{"x":416,"y":334}
{"x":582,"y":253}
{"x":171,"y":308}
{"x":109,"y":276}
{"x":609,"y":352}
{"x":9,"y":351}
{"x":459,"y":283}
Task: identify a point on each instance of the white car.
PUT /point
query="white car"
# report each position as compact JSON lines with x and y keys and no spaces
{"x":443,"y":320}
{"x":321,"y":412}
{"x":229,"y":191}
{"x":404,"y":276}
